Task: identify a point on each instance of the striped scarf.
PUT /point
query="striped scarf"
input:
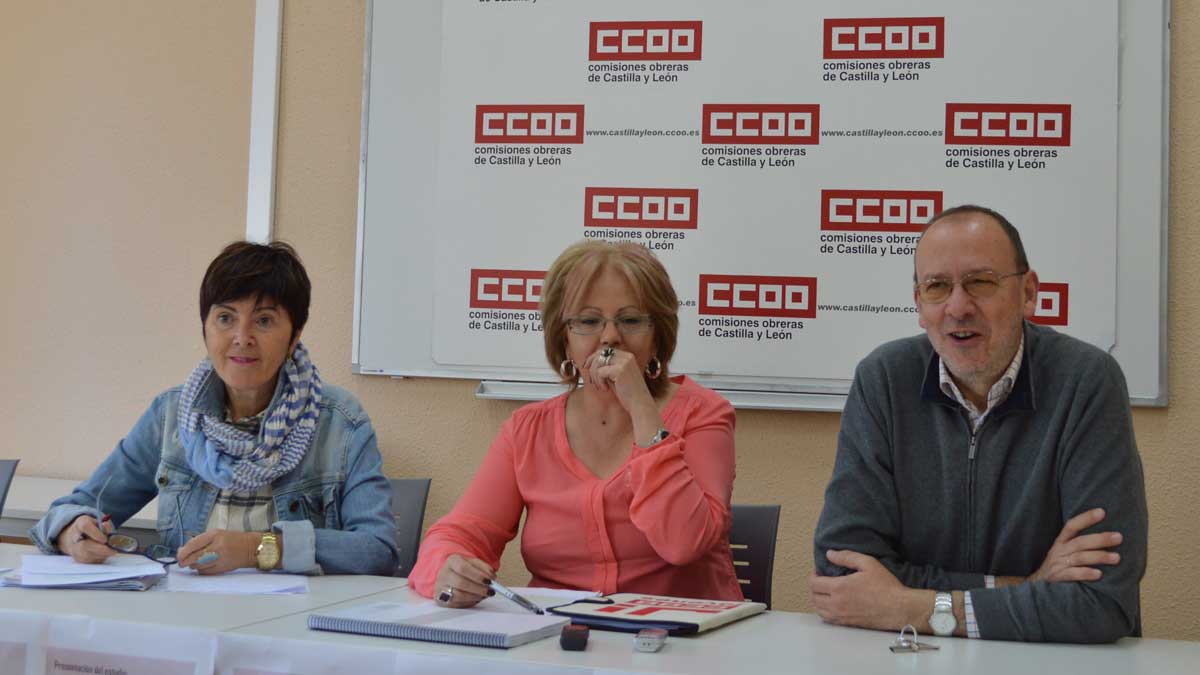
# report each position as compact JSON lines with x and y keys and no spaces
{"x":231,"y":458}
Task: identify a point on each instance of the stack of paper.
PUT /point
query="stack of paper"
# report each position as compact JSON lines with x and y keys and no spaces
{"x":124,"y":572}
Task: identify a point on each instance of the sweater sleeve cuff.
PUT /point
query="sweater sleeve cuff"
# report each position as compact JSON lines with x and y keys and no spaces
{"x":969,"y":614}
{"x":45,"y":532}
{"x":299,"y":546}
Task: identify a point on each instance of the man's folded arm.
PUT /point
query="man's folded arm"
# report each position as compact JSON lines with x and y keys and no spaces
{"x":862,"y":510}
{"x":1098,"y":466}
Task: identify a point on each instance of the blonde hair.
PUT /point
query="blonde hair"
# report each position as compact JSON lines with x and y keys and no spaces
{"x":572,"y":274}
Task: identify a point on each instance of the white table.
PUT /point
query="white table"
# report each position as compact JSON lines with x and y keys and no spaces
{"x":775,"y":642}
{"x":29,"y":497}
{"x":779,"y":642}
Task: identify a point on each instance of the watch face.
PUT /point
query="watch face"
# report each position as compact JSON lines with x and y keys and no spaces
{"x":943,"y":623}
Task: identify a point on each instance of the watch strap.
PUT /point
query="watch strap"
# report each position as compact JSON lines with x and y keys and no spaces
{"x":943,"y":614}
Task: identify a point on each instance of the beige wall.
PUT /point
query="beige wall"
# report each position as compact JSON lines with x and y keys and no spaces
{"x":123,"y":137}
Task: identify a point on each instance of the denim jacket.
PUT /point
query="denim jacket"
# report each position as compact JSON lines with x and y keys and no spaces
{"x":333,"y":509}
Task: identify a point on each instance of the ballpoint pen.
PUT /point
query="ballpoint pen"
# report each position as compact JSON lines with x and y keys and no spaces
{"x":508,"y":593}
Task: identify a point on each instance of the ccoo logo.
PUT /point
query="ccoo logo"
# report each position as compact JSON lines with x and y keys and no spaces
{"x":761,"y":123}
{"x":645,"y":40}
{"x":886,"y":38}
{"x":663,"y":208}
{"x":752,"y":295}
{"x":506,"y":289}
{"x":879,"y":210}
{"x":1008,"y":124}
{"x":529,"y":124}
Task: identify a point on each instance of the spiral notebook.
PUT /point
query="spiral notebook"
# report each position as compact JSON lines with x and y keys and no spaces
{"x":478,"y":627}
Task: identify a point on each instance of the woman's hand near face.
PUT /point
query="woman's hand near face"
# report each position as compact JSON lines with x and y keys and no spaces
{"x":468,"y":578}
{"x":234,"y":550}
{"x":623,"y":377}
{"x":84,"y":540}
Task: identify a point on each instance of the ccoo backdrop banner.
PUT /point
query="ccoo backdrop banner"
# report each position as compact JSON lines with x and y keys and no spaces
{"x":779,"y":158}
{"x":780,"y":161}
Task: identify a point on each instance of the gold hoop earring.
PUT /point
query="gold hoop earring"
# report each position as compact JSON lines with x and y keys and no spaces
{"x":562,"y":370}
{"x":653,"y":368}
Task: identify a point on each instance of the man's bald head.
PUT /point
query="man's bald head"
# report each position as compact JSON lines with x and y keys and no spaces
{"x":959,"y":213}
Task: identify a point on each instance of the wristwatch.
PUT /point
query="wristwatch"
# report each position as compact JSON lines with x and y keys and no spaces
{"x":942,"y":620}
{"x":268,"y":552}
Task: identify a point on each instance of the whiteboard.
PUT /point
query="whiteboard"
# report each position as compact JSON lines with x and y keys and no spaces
{"x":406,"y":244}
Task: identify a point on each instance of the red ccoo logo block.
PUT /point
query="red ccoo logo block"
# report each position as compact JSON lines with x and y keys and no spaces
{"x":746,"y":295}
{"x":879,"y":210}
{"x":661,"y":208}
{"x":506,"y":289}
{"x":1008,"y":124}
{"x":886,"y":38}
{"x":645,"y":40}
{"x":762,"y":123}
{"x":529,"y":124}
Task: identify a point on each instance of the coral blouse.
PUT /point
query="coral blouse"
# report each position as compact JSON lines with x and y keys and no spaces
{"x":658,"y":525}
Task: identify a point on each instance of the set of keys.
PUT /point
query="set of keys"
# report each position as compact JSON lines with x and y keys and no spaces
{"x":909,"y":645}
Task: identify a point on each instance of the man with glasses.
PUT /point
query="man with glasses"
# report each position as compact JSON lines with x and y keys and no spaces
{"x":987,"y":481}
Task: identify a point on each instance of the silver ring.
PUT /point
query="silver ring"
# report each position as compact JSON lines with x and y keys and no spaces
{"x":446,"y":595}
{"x":606,"y":355}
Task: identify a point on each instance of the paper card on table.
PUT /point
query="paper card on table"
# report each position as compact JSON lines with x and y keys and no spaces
{"x":238,"y":582}
{"x":241,"y":654}
{"x":127,"y":647}
{"x":86,"y":661}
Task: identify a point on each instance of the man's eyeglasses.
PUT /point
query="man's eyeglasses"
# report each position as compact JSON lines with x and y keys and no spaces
{"x":127,"y":543}
{"x":978,"y":285}
{"x":627,"y":324}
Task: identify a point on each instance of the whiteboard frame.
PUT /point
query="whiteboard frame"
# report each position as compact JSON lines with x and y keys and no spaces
{"x":825,"y":395}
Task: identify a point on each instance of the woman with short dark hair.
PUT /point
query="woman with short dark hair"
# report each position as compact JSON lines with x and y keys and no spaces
{"x":254,"y":460}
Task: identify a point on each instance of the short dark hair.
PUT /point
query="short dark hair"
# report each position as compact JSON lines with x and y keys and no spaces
{"x":1014,"y":237}
{"x":246,"y":269}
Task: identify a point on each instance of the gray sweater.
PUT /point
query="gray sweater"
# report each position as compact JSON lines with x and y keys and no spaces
{"x":941,"y":508}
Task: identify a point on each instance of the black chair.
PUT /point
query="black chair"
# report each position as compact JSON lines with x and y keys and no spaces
{"x":408,"y":508}
{"x":8,"y":467}
{"x":752,"y":540}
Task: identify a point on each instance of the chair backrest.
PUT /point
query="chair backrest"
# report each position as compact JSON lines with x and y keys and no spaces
{"x":8,"y":467}
{"x":752,"y":541}
{"x":408,"y":508}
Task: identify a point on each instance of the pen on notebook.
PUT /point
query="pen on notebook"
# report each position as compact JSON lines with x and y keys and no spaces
{"x":508,"y":593}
